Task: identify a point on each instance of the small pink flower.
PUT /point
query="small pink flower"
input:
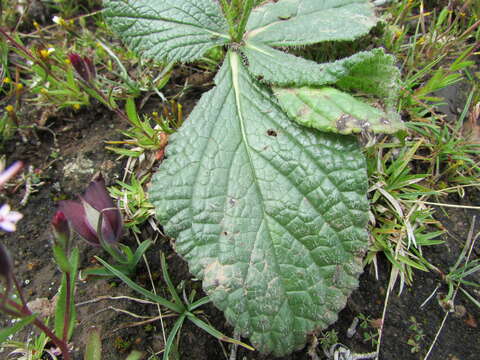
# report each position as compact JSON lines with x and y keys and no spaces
{"x":9,"y":219}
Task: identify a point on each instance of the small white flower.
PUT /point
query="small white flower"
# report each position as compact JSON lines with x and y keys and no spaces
{"x":9,"y":219}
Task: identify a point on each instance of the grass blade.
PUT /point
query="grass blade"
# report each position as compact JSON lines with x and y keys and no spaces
{"x":166,"y":276}
{"x":215,"y":333}
{"x":5,"y":333}
{"x":148,"y":294}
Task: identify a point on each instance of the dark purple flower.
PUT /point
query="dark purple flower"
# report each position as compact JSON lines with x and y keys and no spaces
{"x":6,"y":267}
{"x":83,"y":66}
{"x":95,"y":205}
{"x":61,"y":229}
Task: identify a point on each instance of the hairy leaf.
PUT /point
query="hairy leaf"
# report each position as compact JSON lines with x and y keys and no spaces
{"x":329,"y":109}
{"x":302,"y":22}
{"x":376,"y":74}
{"x":269,"y":214}
{"x":168,"y":29}
{"x":368,"y":71}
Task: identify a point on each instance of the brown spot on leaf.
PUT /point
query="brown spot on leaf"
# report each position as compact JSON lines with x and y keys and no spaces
{"x":341,"y":123}
{"x":271,"y":132}
{"x":304,"y":110}
{"x":363,"y":124}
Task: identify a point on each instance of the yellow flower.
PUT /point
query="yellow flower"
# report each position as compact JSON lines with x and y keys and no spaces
{"x":76,"y":106}
{"x":37,"y":25}
{"x":7,"y":80}
{"x":44,"y":53}
{"x":19,"y":86}
{"x":9,"y":108}
{"x":59,"y":21}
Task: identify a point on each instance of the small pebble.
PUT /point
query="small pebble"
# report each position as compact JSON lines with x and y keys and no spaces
{"x":459,"y":311}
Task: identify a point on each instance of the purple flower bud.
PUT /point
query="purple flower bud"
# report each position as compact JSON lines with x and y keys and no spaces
{"x":61,"y":229}
{"x":85,"y":215}
{"x":6,"y":267}
{"x":83,"y":66}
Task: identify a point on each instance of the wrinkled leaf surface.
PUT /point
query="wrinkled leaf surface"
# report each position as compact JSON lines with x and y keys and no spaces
{"x":302,"y":22}
{"x":168,"y":29}
{"x":270,"y":215}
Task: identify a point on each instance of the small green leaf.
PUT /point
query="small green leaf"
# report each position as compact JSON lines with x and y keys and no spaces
{"x":61,"y":259}
{"x":198,"y":303}
{"x":12,"y":330}
{"x":329,"y":109}
{"x":140,"y":251}
{"x":168,"y":29}
{"x":132,"y":114}
{"x":302,"y":22}
{"x":93,"y":350}
{"x":135,"y":355}
{"x":125,"y":152}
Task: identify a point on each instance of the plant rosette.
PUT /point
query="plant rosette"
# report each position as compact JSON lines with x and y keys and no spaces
{"x":269,"y":211}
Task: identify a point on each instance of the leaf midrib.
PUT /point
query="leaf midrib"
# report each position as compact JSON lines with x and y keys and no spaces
{"x":250,"y":34}
{"x":234,"y":66}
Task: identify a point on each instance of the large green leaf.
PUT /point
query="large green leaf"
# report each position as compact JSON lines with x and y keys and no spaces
{"x":329,"y":109}
{"x":372,"y":71}
{"x":269,"y":214}
{"x":302,"y":22}
{"x":168,"y":29}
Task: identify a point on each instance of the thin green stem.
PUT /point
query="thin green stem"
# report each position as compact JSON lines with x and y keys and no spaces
{"x":229,"y":15}
{"x":30,"y":55}
{"x":19,"y":290}
{"x":247,"y":9}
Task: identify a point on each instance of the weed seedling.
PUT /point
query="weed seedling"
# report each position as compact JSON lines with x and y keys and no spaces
{"x":415,"y":341}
